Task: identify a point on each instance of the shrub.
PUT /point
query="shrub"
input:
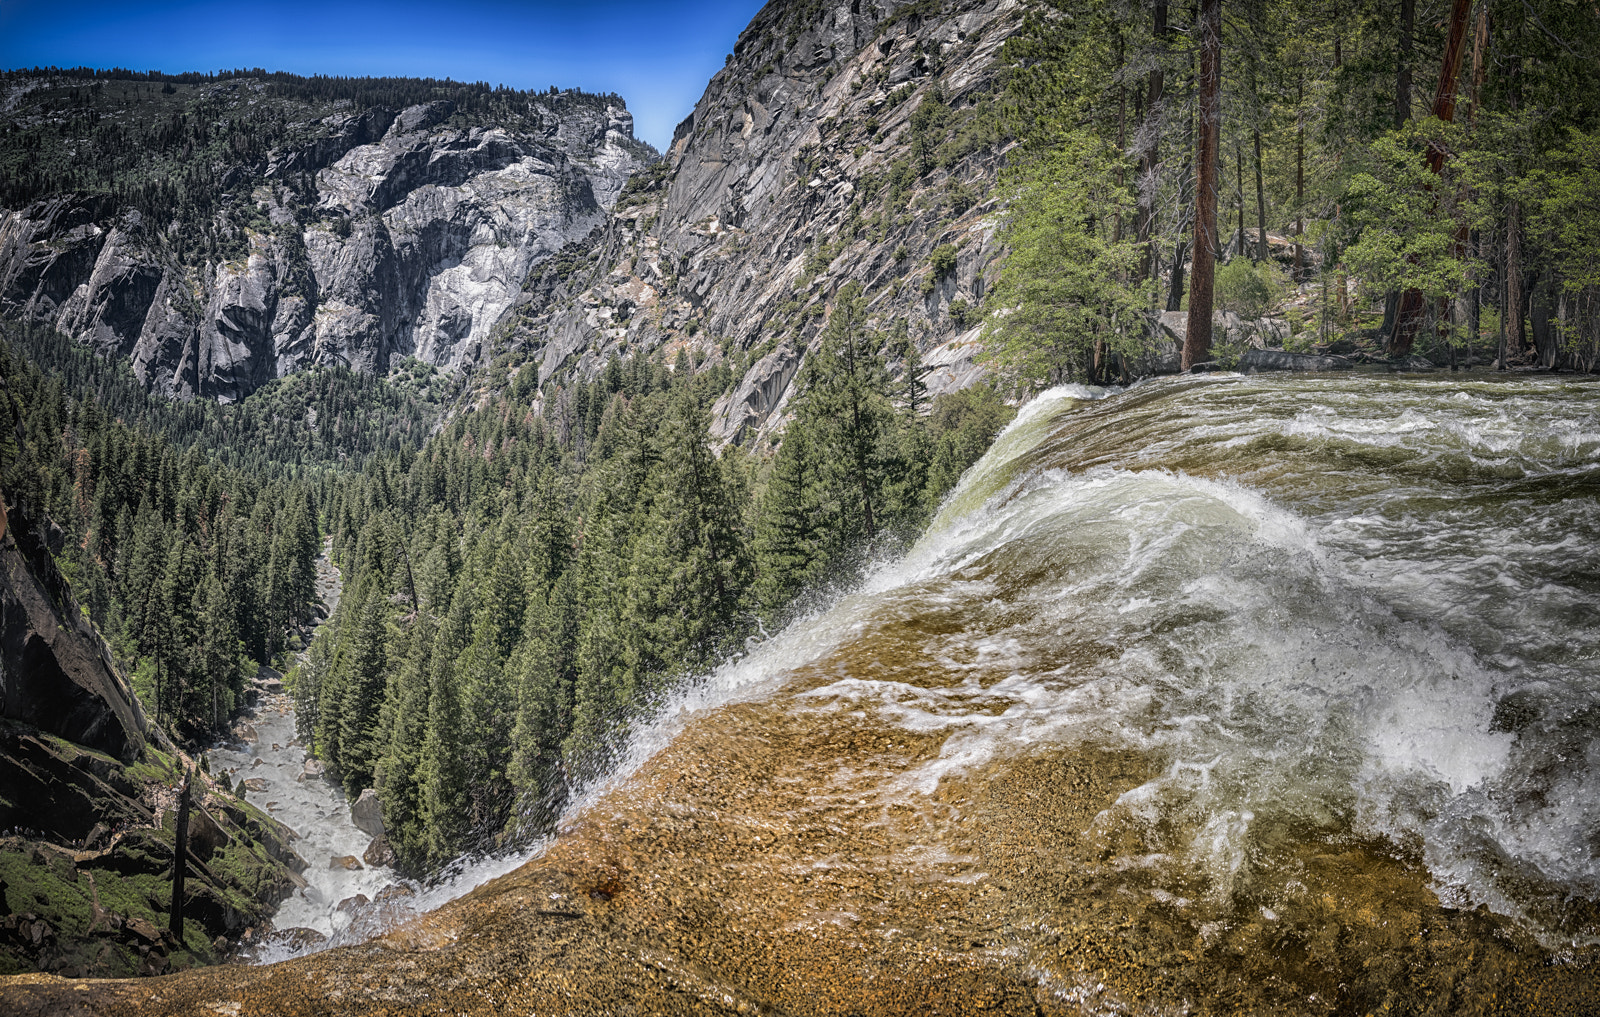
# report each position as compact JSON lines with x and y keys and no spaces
{"x":959,"y":312}
{"x":1248,"y":289}
{"x":943,"y":259}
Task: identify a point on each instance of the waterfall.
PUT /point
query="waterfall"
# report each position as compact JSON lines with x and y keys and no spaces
{"x":1284,"y":677}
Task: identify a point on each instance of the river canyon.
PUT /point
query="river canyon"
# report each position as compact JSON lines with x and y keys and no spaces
{"x":1219,"y":694}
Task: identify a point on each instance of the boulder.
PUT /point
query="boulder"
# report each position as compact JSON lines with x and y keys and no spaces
{"x":256,"y":783}
{"x":367,"y":813}
{"x":379,"y":854}
{"x":350,"y":903}
{"x":1280,"y":360}
{"x":349,"y":863}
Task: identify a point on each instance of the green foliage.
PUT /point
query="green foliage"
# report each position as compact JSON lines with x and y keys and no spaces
{"x":1249,"y":289}
{"x":1062,"y":289}
{"x":943,"y":259}
{"x":1405,"y":218}
{"x":185,"y":564}
{"x":962,"y":426}
{"x":1562,"y":196}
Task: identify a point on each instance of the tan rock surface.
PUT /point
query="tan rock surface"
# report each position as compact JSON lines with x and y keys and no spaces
{"x":763,"y":863}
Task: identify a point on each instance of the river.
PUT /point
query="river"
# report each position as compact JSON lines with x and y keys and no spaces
{"x":347,"y":899}
{"x":1216,"y":695}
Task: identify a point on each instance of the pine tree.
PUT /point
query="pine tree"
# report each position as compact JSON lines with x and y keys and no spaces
{"x":403,"y":724}
{"x":793,"y":542}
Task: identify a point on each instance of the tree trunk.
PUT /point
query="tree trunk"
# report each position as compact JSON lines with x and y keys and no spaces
{"x":1238,"y":182}
{"x":1197,"y":338}
{"x":1402,"y":75}
{"x":1411,"y":311}
{"x":1402,"y":113}
{"x":1097,"y":369}
{"x":1500,"y":333}
{"x":1299,"y":179}
{"x":1474,"y":295}
{"x":1152,"y":150}
{"x":1542,"y":308}
{"x":1261,"y":207}
{"x":1516,"y":340}
{"x":1180,"y":254}
{"x":180,"y":853}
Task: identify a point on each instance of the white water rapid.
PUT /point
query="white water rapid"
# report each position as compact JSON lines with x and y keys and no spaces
{"x":1329,"y":629}
{"x":1353,"y":609}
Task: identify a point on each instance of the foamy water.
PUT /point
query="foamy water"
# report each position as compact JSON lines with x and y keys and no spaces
{"x":1324,"y":609}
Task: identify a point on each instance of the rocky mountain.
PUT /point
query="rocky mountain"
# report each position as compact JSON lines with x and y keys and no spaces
{"x":362,"y":237}
{"x":842,"y":141}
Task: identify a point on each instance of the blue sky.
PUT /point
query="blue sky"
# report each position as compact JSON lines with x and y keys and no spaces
{"x":658,"y":56}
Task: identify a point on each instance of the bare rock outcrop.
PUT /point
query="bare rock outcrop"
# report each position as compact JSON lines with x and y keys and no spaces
{"x":805,"y":166}
{"x":55,"y":673}
{"x":387,"y":234}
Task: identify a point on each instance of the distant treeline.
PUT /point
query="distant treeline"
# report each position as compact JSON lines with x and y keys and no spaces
{"x":363,"y":91}
{"x":192,"y":570}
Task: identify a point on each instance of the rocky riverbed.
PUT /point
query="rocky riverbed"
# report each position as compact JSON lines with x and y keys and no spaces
{"x":342,"y":842}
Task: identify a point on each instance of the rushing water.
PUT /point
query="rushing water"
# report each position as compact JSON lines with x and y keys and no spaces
{"x":1354,"y":607}
{"x":346,"y":899}
{"x":315,"y":809}
{"x":1222,"y":694}
{"x":1333,"y":643}
{"x":1351,"y":607}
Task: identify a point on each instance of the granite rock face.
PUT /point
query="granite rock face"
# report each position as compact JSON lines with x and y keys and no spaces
{"x":55,"y":673}
{"x":388,"y":234}
{"x":780,"y":189}
{"x":87,"y":799}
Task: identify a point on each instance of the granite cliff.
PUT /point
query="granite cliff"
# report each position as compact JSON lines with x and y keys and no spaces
{"x":841,"y":142}
{"x":367,"y":236}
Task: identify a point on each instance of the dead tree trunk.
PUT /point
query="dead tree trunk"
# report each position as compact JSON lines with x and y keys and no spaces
{"x":180,"y":852}
{"x":1197,"y":338}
